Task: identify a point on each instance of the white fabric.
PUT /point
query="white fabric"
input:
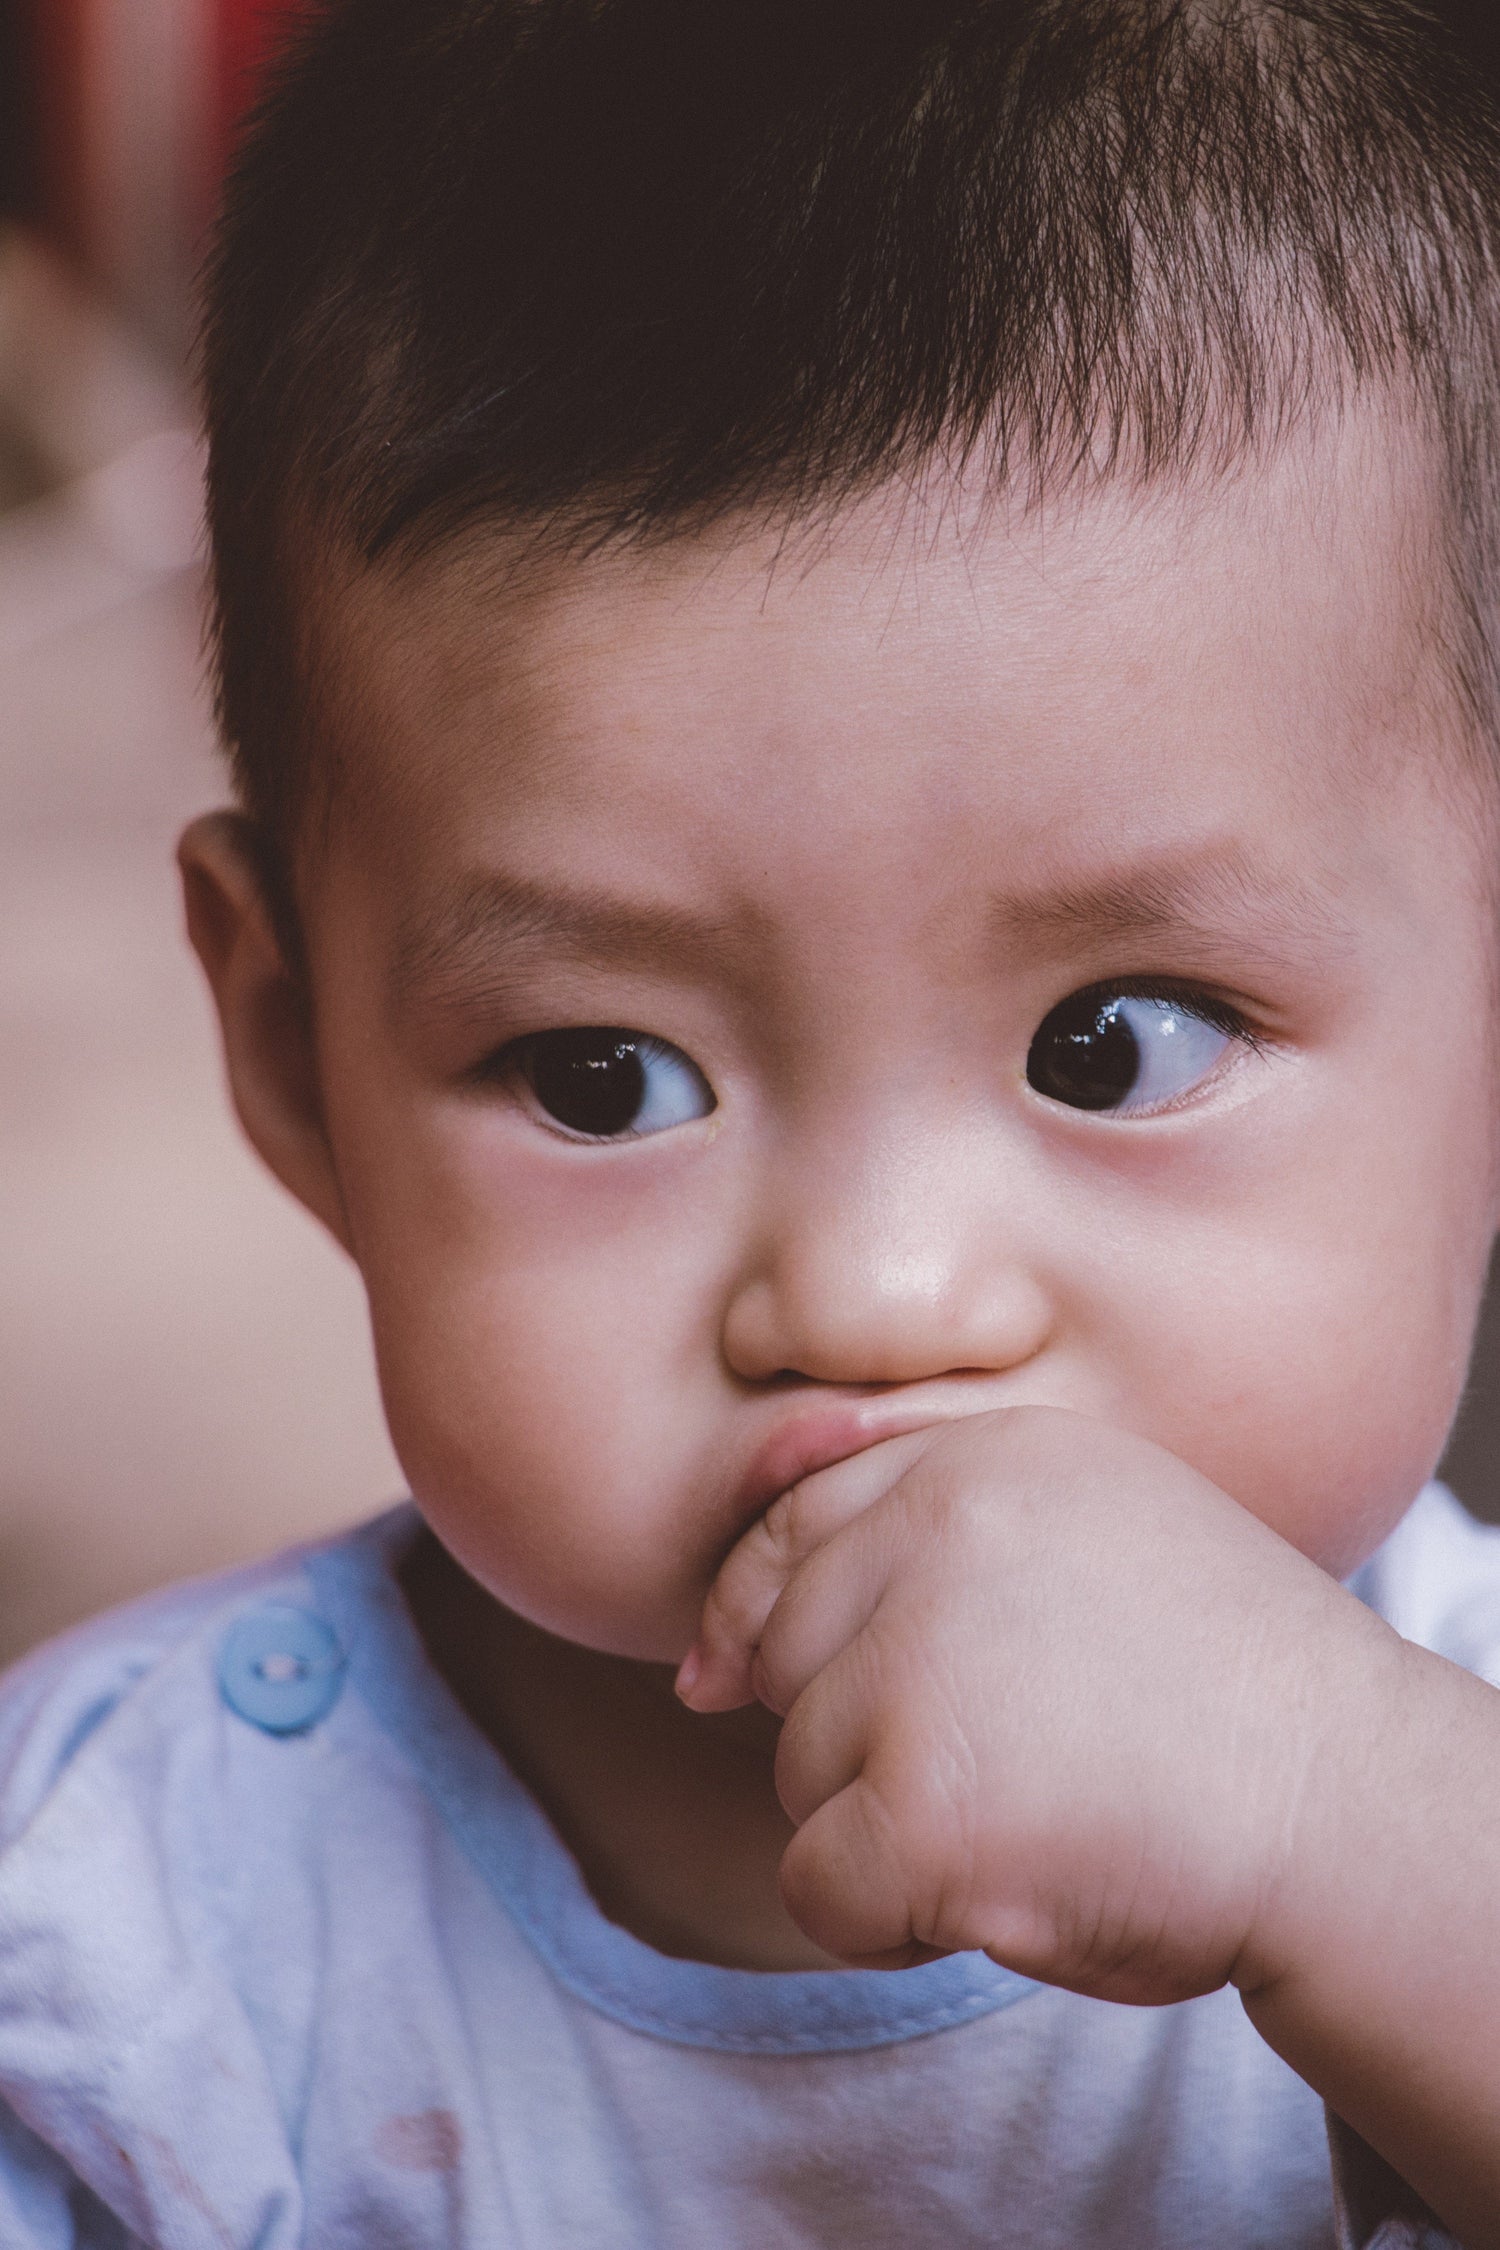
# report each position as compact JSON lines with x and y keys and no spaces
{"x":345,"y":1988}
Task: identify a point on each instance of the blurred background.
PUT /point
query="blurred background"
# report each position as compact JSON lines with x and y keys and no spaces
{"x":184,"y":1366}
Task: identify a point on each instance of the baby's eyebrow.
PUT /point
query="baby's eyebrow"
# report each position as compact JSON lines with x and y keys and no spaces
{"x":1217,"y":895}
{"x":464,"y":938}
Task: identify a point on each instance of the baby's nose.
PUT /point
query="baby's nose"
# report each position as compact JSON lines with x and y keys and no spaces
{"x":856,"y":1287}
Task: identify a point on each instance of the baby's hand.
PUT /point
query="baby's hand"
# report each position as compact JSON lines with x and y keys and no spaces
{"x":1048,"y":1693}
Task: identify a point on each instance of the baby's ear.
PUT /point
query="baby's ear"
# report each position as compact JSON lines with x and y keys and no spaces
{"x":264,"y":1014}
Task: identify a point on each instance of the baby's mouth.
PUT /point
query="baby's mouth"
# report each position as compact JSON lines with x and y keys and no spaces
{"x":820,"y":1433}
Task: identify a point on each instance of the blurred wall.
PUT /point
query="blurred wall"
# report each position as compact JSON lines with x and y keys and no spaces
{"x":185,"y":1372}
{"x":123,"y":113}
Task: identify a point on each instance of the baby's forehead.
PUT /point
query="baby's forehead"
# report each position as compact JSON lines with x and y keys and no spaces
{"x":1315,"y":585}
{"x":1206,"y":732}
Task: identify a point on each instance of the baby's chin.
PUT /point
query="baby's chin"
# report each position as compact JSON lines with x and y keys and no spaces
{"x":648,"y":1624}
{"x":631,"y":1640}
{"x":648,"y":1633}
{"x":455,"y":1575}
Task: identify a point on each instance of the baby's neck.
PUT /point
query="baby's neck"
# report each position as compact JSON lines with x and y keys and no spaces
{"x":672,"y":1817}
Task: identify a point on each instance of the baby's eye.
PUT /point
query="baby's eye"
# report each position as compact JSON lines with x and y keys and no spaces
{"x":1106,"y":1050}
{"x":609,"y":1084}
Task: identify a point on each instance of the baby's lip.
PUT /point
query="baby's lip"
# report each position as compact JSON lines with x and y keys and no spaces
{"x":817,"y":1436}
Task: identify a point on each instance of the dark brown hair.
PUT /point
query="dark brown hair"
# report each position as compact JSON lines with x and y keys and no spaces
{"x":610,"y":268}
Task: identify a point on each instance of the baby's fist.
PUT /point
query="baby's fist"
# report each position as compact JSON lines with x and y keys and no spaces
{"x":1048,"y":1693}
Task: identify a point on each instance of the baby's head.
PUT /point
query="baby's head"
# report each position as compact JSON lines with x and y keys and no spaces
{"x":857,"y":639}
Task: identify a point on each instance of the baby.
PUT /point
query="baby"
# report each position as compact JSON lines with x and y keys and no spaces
{"x":858,"y":639}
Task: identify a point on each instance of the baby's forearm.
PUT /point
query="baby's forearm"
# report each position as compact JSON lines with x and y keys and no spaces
{"x":1381,"y":1982}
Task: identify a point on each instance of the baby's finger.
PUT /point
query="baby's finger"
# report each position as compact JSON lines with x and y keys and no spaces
{"x":716,"y":1675}
{"x":826,"y":1738}
{"x":822,"y":1610}
{"x":846,"y":1884}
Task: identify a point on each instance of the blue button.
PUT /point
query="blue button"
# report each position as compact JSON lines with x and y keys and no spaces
{"x":281,"y":1668}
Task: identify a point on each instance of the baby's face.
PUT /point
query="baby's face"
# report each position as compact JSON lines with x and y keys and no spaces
{"x":766,"y":1003}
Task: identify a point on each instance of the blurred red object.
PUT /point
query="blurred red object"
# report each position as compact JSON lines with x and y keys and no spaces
{"x":247,"y":31}
{"x":136,"y":103}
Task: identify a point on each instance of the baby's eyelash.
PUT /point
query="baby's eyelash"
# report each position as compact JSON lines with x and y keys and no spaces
{"x":1193,"y":999}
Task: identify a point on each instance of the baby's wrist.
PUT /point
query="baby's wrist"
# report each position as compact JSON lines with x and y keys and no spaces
{"x":1372,"y":1970}
{"x":1332,"y":1813}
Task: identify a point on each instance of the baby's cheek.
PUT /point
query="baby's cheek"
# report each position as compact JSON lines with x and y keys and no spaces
{"x":1331,"y":1456}
{"x":540,"y":1437}
{"x":1316,"y":1389}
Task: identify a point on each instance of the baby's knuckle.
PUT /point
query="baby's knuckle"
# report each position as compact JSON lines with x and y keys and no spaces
{"x":949,"y":1501}
{"x":784,"y":1526}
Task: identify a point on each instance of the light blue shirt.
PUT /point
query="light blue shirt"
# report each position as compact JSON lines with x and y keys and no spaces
{"x":289,"y":1957}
